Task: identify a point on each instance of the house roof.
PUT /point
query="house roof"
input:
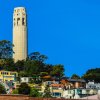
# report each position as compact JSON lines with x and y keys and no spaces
{"x":48,"y":76}
{"x":76,"y":80}
{"x":57,"y":85}
{"x":65,"y":78}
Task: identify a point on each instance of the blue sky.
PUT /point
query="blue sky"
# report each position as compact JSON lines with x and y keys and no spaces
{"x":67,"y":31}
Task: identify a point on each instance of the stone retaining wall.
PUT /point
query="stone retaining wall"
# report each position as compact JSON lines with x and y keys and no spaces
{"x":23,"y":97}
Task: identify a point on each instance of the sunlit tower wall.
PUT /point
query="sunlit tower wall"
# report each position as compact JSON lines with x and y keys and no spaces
{"x":19,"y":34}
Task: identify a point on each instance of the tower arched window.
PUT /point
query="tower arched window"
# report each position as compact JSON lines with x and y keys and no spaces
{"x":23,"y":21}
{"x":18,"y":19}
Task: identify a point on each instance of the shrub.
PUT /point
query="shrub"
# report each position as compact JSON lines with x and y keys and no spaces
{"x":34,"y":92}
{"x":24,"y":89}
{"x":2,"y":89}
{"x":15,"y":91}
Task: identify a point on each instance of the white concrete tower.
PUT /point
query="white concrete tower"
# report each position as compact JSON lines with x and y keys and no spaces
{"x":19,"y":34}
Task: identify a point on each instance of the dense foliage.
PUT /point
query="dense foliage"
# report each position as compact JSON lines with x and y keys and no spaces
{"x":6,"y":50}
{"x":75,"y":76}
{"x":15,"y":91}
{"x":47,"y":93}
{"x":34,"y":93}
{"x":24,"y":89}
{"x":2,"y":89}
{"x":92,"y":75}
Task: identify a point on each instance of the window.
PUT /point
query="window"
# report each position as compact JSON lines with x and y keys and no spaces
{"x":18,"y":19}
{"x":25,"y":79}
{"x":57,"y":94}
{"x":23,"y":21}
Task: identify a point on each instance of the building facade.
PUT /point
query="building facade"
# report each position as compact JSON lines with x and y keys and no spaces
{"x":93,"y":85}
{"x":8,"y":76}
{"x":19,"y":34}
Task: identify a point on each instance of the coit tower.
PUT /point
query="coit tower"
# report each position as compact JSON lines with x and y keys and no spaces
{"x":19,"y":34}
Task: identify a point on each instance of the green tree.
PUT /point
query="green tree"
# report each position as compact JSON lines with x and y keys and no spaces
{"x":15,"y":91}
{"x":2,"y":63}
{"x":34,"y":93}
{"x":23,"y":74}
{"x":9,"y":64}
{"x":92,"y":74}
{"x":58,"y":71}
{"x":75,"y":76}
{"x":24,"y":89}
{"x":19,"y":65}
{"x":47,"y":93}
{"x":6,"y":50}
{"x":2,"y":89}
{"x":48,"y":68}
{"x":37,"y":56}
{"x":34,"y":67}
